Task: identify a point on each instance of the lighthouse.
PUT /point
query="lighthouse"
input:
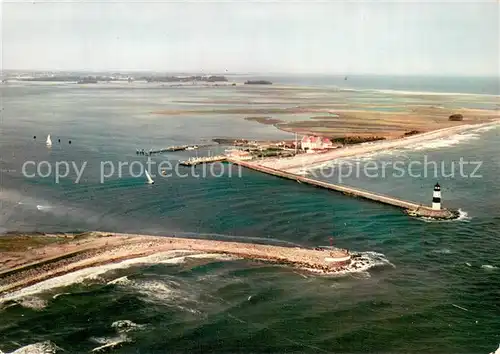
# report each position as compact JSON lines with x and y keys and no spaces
{"x":436,"y":197}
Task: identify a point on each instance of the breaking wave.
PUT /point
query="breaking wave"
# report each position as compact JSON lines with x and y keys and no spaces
{"x":443,"y":251}
{"x":489,"y":267}
{"x":46,"y":347}
{"x":444,"y":142}
{"x":361,"y":262}
{"x":486,"y":128}
{"x":463,"y":216}
{"x":121,"y":327}
{"x":124,"y":326}
{"x":94,"y":273}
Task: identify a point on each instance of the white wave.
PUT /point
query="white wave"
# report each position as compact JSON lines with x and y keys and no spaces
{"x":444,"y":142}
{"x":124,"y":326}
{"x":46,"y":347}
{"x":496,"y":351}
{"x":463,"y":216}
{"x":489,"y":267}
{"x":43,"y":207}
{"x":109,"y":342}
{"x":154,"y":289}
{"x":464,"y":133}
{"x":442,"y":251}
{"x":122,"y":281}
{"x":121,"y":327}
{"x":79,"y":276}
{"x":6,"y":306}
{"x":361,"y":262}
{"x":32,"y":302}
{"x":59,"y":295}
{"x":486,"y":129}
{"x":164,"y":292}
{"x":427,"y":93}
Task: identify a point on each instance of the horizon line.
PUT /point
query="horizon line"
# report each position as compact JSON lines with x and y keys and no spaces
{"x":228,"y":73}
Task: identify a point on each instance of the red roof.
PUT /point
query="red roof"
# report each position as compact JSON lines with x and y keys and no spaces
{"x":315,"y":140}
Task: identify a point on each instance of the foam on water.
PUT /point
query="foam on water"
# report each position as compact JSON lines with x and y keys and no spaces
{"x":361,"y":262}
{"x":489,"y":267}
{"x":496,"y":351}
{"x":119,"y":281}
{"x":124,"y":326}
{"x":426,"y":93}
{"x":486,"y":128}
{"x":46,"y":347}
{"x":32,"y":302}
{"x":444,"y":142}
{"x":426,"y":141}
{"x":463,"y":216}
{"x":121,"y":327}
{"x":108,"y":342}
{"x":59,"y":295}
{"x":94,"y":272}
{"x":442,"y":251}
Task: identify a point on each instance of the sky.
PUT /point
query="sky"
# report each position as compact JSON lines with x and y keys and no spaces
{"x":329,"y":37}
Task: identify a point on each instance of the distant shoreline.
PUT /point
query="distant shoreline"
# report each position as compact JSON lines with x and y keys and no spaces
{"x":276,"y":83}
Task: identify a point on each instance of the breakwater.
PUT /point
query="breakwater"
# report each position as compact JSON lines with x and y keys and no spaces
{"x":410,"y":207}
{"x":104,"y":248}
{"x":193,"y":161}
{"x":170,"y":149}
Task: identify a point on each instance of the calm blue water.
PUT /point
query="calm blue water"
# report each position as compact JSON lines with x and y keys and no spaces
{"x":404,"y":303}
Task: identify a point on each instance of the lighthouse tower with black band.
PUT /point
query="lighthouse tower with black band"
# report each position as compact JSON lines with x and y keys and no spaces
{"x":436,"y":197}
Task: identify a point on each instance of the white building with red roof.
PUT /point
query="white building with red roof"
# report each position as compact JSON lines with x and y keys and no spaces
{"x":312,"y":143}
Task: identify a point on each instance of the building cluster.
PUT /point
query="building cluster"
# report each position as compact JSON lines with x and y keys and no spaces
{"x":238,"y":154}
{"x":315,"y":143}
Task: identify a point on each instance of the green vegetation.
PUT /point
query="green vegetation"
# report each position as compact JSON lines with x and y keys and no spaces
{"x":17,"y":242}
{"x":348,"y":140}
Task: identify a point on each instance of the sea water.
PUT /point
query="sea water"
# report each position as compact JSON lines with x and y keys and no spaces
{"x":430,"y":287}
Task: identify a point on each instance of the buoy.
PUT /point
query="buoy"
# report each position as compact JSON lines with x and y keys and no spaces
{"x":436,"y":197}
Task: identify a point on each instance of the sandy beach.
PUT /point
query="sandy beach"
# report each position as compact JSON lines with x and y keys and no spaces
{"x":303,"y":161}
{"x":23,"y":267}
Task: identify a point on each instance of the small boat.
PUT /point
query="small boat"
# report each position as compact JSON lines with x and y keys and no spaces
{"x":49,"y":140}
{"x":148,"y":176}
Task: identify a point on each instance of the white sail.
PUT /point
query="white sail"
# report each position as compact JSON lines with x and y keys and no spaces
{"x":49,"y":141}
{"x":150,"y":180}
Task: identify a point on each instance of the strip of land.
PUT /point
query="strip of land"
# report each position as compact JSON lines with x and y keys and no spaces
{"x":303,"y":161}
{"x":36,"y":258}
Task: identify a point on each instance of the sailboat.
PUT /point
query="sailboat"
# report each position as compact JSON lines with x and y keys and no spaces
{"x":49,"y":140}
{"x":150,"y":180}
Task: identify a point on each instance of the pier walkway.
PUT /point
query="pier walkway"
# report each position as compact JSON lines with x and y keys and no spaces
{"x":170,"y":149}
{"x":193,"y":161}
{"x":413,"y":208}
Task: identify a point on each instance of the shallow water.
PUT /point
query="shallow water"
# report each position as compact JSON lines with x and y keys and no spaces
{"x":404,"y":303}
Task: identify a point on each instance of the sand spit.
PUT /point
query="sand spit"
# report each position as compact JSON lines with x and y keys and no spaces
{"x":97,"y":249}
{"x":302,"y":161}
